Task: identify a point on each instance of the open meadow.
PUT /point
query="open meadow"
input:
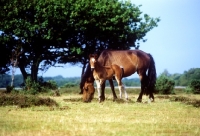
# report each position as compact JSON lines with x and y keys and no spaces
{"x":174,"y":115}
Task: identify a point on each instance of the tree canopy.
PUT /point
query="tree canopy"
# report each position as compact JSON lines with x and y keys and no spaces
{"x":42,"y":33}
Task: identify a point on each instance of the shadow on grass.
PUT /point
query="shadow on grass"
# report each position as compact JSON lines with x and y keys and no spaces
{"x":73,"y":100}
{"x":120,"y":101}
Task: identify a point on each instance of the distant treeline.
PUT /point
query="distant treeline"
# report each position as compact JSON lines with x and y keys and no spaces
{"x":180,"y":79}
{"x":5,"y":80}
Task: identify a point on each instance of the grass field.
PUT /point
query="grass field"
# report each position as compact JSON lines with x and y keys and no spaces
{"x":120,"y":118}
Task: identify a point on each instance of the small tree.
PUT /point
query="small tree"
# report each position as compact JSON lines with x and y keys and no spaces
{"x":164,"y":85}
{"x":194,"y":86}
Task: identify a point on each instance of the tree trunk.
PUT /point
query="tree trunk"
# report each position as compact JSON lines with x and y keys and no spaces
{"x":23,"y":71}
{"x":34,"y":71}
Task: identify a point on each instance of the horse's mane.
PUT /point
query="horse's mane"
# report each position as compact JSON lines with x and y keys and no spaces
{"x":86,"y":75}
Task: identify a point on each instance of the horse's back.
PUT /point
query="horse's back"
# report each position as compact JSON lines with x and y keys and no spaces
{"x":130,"y":60}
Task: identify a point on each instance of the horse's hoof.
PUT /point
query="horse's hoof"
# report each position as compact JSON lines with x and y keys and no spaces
{"x":114,"y":99}
{"x":139,"y":100}
{"x":151,"y":99}
{"x":102,"y":99}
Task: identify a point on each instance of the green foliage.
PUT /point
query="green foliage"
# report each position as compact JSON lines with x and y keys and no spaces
{"x":32,"y":87}
{"x":164,"y":85}
{"x":188,"y":76}
{"x":194,"y":87}
{"x":9,"y":89}
{"x":54,"y":31}
{"x":51,"y":85}
{"x":68,"y":85}
{"x":185,"y":78}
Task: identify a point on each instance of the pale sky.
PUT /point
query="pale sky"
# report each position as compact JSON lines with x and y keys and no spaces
{"x":174,"y":44}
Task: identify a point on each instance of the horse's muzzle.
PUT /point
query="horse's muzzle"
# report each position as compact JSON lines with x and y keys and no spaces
{"x":92,"y":69}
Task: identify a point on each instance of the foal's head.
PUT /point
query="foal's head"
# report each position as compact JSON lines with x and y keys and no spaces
{"x":93,"y":59}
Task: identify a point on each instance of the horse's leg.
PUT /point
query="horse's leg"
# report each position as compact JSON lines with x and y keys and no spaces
{"x":121,"y":88}
{"x":126,"y":95}
{"x":142,"y":81}
{"x":98,"y":89}
{"x":151,"y":97}
{"x":102,"y":96}
{"x":139,"y":99}
{"x":113,"y":89}
{"x":120,"y":92}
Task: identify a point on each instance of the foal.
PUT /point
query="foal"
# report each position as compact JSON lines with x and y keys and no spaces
{"x":103,"y":73}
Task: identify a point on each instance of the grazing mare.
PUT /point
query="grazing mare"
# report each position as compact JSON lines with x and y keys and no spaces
{"x":103,"y":73}
{"x":88,"y":89}
{"x":132,"y":61}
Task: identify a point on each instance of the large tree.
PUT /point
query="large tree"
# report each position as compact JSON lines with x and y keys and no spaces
{"x":108,"y":25}
{"x":66,"y":31}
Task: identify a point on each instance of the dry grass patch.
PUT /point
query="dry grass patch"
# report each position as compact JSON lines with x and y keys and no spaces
{"x":24,"y":101}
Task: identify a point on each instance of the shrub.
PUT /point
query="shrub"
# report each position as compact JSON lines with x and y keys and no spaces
{"x":50,"y":85}
{"x":33,"y":87}
{"x":194,"y":87}
{"x":68,"y":85}
{"x":164,"y":85}
{"x":9,"y":89}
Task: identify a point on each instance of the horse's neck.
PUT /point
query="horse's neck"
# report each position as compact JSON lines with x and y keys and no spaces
{"x":99,"y":67}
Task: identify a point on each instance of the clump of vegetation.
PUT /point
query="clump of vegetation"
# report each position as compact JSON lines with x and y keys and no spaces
{"x":25,"y":100}
{"x":9,"y":89}
{"x":32,"y":87}
{"x":194,"y":87}
{"x":186,"y":100}
{"x":68,"y":85}
{"x":164,"y":85}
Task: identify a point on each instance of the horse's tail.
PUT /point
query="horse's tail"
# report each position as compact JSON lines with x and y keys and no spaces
{"x":151,"y":76}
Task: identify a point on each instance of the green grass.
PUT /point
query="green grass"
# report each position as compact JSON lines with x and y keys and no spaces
{"x":120,"y":118}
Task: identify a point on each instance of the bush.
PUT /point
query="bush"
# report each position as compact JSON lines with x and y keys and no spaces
{"x":33,"y":87}
{"x":9,"y":89}
{"x":194,"y":87}
{"x":164,"y":85}
{"x":50,"y":85}
{"x":68,"y":85}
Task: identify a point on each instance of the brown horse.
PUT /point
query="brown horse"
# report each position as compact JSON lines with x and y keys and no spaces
{"x":132,"y":61}
{"x":88,"y":89}
{"x":103,"y":73}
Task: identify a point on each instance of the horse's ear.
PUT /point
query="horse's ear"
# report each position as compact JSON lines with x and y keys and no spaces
{"x":91,"y":55}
